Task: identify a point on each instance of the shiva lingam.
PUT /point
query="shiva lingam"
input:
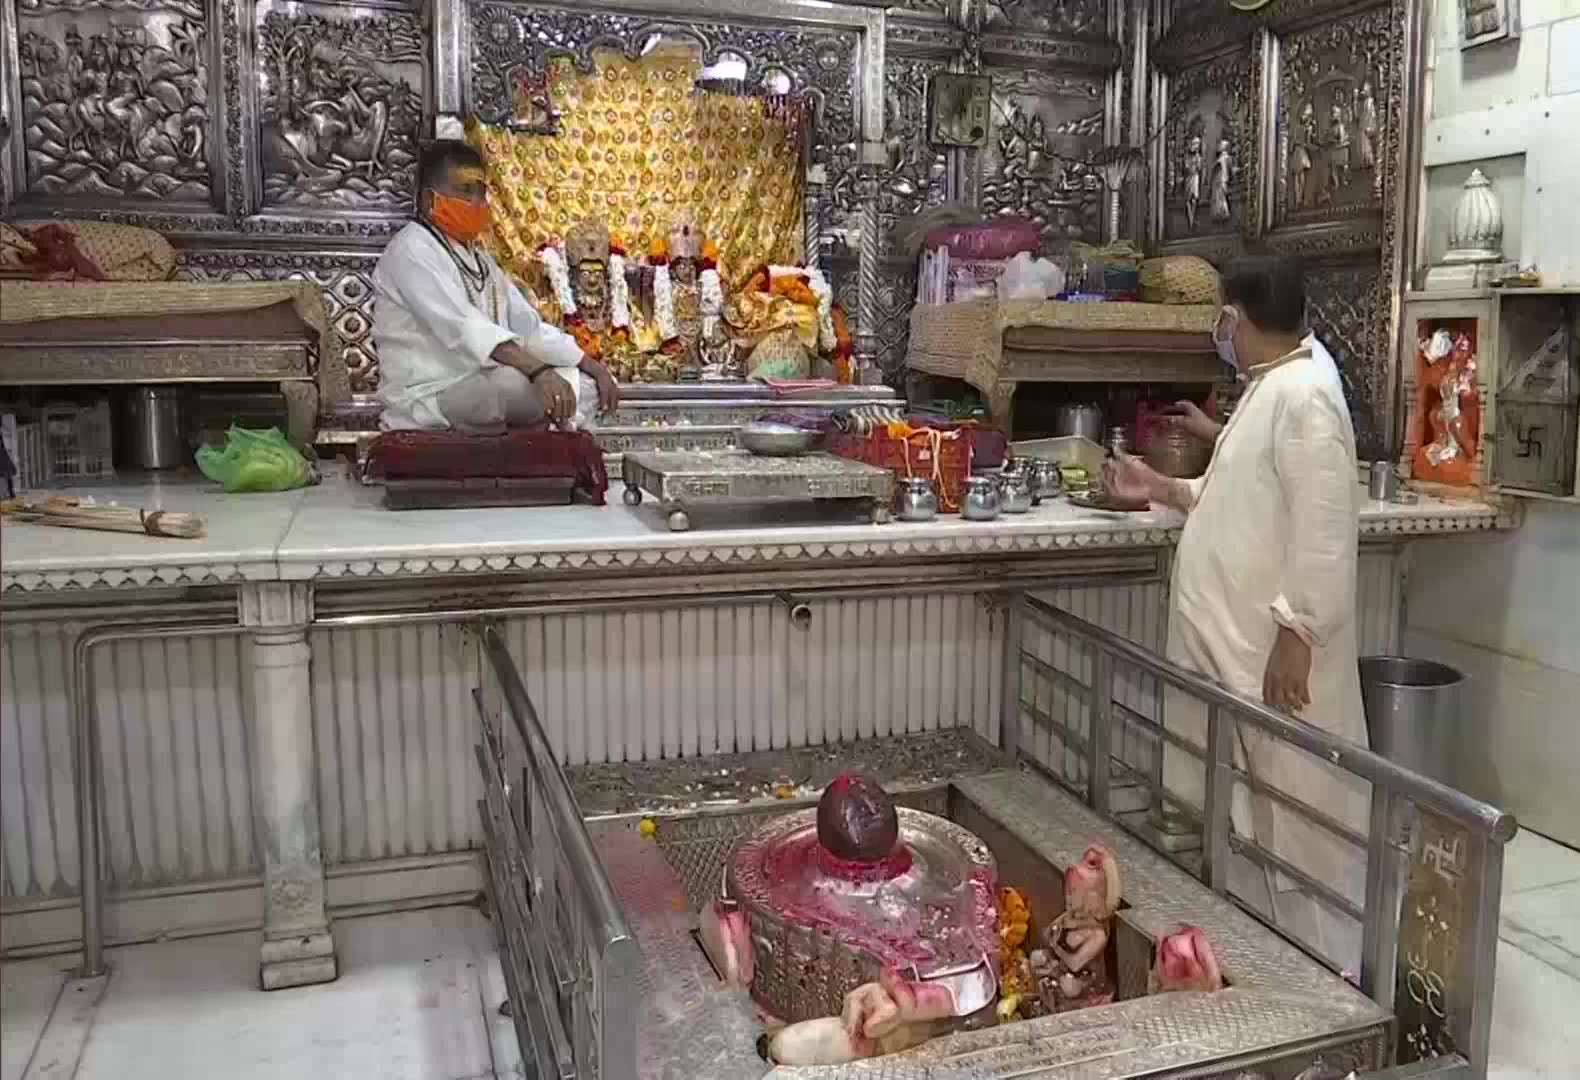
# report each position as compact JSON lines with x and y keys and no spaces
{"x":869,"y":921}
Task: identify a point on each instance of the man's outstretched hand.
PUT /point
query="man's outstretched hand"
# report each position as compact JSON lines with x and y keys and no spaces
{"x":608,"y":389}
{"x":1286,"y":684}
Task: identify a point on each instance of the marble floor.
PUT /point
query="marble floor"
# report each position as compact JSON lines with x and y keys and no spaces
{"x":419,"y":993}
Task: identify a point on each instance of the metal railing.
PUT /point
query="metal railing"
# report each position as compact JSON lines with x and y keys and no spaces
{"x":1434,"y":856}
{"x":570,"y":960}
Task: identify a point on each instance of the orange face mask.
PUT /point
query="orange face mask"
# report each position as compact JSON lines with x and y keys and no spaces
{"x":459,"y":219}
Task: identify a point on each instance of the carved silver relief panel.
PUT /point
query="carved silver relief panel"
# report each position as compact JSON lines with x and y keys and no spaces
{"x":1346,"y":306}
{"x":1054,"y":18}
{"x":917,"y":175}
{"x":1334,"y":119}
{"x":1045,"y":124}
{"x":340,"y":103}
{"x":114,"y":101}
{"x":1209,"y":160}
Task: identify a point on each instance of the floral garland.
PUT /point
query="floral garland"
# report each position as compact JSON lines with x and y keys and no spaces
{"x":559,"y":279}
{"x":663,"y":292}
{"x":710,"y":290}
{"x":826,"y":338}
{"x":619,"y":289}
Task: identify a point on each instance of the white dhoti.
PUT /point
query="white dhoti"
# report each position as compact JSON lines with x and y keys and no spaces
{"x":1271,"y":543}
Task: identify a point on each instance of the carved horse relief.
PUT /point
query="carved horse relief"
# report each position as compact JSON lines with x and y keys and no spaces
{"x":340,"y":110}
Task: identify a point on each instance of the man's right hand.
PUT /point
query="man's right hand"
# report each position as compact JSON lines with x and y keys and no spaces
{"x":1131,"y":479}
{"x":1188,"y":416}
{"x":559,"y":400}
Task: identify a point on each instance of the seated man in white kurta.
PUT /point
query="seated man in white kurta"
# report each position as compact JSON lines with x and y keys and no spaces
{"x":459,"y":346}
{"x":1263,"y":596}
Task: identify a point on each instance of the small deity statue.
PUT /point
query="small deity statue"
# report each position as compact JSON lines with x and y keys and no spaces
{"x":1451,"y":375}
{"x":785,"y":316}
{"x":718,"y":354}
{"x":1072,"y":970}
{"x":685,"y":253}
{"x":587,"y":258}
{"x":1222,"y":167}
{"x":1300,"y":160}
{"x":1185,"y":961}
{"x":1338,"y":147}
{"x":1367,"y":127}
{"x":1195,"y":161}
{"x":589,"y":285}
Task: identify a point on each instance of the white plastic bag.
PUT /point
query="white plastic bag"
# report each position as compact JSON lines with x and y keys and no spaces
{"x":1026,"y":278}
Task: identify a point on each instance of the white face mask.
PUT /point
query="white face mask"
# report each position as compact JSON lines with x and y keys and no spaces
{"x":1223,"y":340}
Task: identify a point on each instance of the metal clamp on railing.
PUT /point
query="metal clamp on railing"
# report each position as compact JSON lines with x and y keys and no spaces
{"x":569,"y":958}
{"x":1434,"y":856}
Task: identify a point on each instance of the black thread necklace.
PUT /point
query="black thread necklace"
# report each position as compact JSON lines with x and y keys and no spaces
{"x":476,"y":276}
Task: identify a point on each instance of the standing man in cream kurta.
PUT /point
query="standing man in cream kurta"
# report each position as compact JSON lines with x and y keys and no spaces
{"x":1263,"y":595}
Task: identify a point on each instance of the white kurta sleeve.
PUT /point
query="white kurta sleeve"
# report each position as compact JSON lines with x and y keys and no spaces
{"x":429,"y":286}
{"x":1316,"y":470}
{"x":544,"y":343}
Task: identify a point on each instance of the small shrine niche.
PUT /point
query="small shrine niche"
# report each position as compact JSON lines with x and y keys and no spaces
{"x":653,"y":201}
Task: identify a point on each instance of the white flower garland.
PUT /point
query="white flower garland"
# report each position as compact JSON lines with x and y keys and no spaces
{"x":559,"y":279}
{"x":664,"y":304}
{"x":710,"y":294}
{"x":826,"y":338}
{"x":619,"y":293}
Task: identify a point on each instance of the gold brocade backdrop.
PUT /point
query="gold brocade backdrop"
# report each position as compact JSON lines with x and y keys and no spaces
{"x":640,"y":148}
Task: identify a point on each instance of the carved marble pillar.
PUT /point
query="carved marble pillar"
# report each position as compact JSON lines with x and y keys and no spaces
{"x":297,"y":947}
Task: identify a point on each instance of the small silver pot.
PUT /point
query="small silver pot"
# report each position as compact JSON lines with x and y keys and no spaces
{"x":980,"y":500}
{"x":916,"y":500}
{"x":1046,"y":481}
{"x":1083,"y":420}
{"x":1015,"y":491}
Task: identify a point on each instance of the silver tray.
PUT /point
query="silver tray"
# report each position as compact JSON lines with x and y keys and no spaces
{"x":684,"y":479}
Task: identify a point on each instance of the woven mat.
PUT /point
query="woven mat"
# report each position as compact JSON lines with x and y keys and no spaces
{"x":36,"y":301}
{"x":965,"y":341}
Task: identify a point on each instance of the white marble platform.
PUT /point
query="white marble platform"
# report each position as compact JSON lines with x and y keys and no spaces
{"x":340,"y":529}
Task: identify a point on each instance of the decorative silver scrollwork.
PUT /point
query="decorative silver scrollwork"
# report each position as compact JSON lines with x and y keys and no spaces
{"x":1344,"y":304}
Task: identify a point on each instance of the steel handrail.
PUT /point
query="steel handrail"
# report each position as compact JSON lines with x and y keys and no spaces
{"x":565,"y":816}
{"x":1420,"y":831}
{"x":1484,"y":818}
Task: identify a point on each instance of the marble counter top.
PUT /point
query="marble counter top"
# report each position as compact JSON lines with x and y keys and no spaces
{"x":341,"y":530}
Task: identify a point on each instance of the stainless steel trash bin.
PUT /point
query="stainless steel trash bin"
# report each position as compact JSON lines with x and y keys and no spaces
{"x":1413,"y":713}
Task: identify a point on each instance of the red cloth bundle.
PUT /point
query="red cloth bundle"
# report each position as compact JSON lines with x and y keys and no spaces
{"x":944,"y":457}
{"x":447,"y":455}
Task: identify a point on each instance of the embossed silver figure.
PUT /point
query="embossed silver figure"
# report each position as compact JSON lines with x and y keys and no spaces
{"x":1195,"y":161}
{"x":1222,"y":168}
{"x":1367,"y":126}
{"x":1301,"y":161}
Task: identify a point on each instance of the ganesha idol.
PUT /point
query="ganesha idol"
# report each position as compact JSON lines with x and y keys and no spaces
{"x":867,"y":926}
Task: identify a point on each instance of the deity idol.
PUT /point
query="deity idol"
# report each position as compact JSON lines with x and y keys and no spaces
{"x":1072,"y":970}
{"x":590,"y":290}
{"x":1453,"y":420}
{"x":685,"y":255}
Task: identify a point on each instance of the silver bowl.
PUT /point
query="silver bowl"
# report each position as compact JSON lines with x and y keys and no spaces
{"x":777,"y":440}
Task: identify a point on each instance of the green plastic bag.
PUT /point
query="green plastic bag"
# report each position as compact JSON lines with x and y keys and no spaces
{"x":255,"y":461}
